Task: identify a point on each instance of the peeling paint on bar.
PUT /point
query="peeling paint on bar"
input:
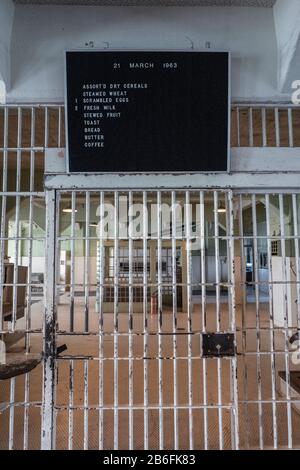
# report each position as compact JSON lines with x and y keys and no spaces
{"x":49,"y":336}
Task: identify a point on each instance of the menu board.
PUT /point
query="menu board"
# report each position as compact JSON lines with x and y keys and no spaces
{"x":147,"y":111}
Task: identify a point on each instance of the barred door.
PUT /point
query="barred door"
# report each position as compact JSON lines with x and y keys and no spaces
{"x":147,"y":314}
{"x":149,"y":319}
{"x":204,"y":359}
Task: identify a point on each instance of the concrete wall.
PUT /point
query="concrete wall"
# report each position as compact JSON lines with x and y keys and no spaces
{"x":6,"y":22}
{"x":42,"y":33}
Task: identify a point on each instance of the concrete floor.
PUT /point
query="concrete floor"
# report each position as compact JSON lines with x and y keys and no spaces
{"x":88,"y":345}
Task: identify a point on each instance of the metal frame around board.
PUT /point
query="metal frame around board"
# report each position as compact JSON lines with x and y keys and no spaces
{"x":148,"y":50}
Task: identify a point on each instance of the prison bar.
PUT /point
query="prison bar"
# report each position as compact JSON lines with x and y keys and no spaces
{"x":238,"y":397}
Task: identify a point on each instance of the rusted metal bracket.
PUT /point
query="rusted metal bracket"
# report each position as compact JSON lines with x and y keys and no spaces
{"x":61,"y":349}
{"x":19,"y":364}
{"x":294,"y":338}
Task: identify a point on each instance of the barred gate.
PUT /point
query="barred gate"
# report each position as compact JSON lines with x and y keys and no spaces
{"x":213,"y":372}
{"x":180,"y":318}
{"x":144,"y":375}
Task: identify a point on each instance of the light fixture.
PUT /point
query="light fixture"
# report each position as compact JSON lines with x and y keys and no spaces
{"x":94,"y":225}
{"x":221,"y":209}
{"x":68,"y":210}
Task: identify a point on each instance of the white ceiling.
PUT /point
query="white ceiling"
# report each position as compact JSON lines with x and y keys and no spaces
{"x":244,"y":3}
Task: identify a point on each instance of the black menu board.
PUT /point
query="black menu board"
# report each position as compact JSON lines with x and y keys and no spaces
{"x":147,"y":111}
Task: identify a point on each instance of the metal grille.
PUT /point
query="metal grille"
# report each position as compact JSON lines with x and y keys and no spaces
{"x":143,"y":373}
{"x":140,"y":379}
{"x":25,"y":132}
{"x":135,"y":298}
{"x":265,"y":125}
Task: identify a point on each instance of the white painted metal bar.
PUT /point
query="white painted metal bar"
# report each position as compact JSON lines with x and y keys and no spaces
{"x":26,"y":150}
{"x":116,"y":320}
{"x":16,"y":263}
{"x":130,"y":326}
{"x":26,"y":411}
{"x":250,"y":118}
{"x":72,"y":273}
{"x":174,"y":325}
{"x":203,"y":307}
{"x":264,"y":127}
{"x":19,"y":145}
{"x":49,"y":326}
{"x":271,"y":324}
{"x":145,"y":319}
{"x":58,"y":250}
{"x":218,"y":314}
{"x":188,"y":223}
{"x":238,"y":127}
{"x":59,"y":140}
{"x":22,"y":194}
{"x":3,"y":216}
{"x":257,"y":323}
{"x":32,"y":153}
{"x":286,"y":323}
{"x":17,"y":224}
{"x":87,"y":262}
{"x":153,"y":407}
{"x":265,"y":104}
{"x":80,"y":237}
{"x":46,"y":117}
{"x":290,"y":125}
{"x":71,"y":407}
{"x":227,"y":406}
{"x":238,"y":181}
{"x":5,"y":153}
{"x":29,"y":105}
{"x":296,"y":204}
{"x":100,"y":299}
{"x":29,"y":278}
{"x":244,"y":324}
{"x":30,"y":234}
{"x":232,"y":311}
{"x":86,"y":406}
{"x":277,"y":127}
{"x":160,"y":319}
{"x":12,"y":413}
